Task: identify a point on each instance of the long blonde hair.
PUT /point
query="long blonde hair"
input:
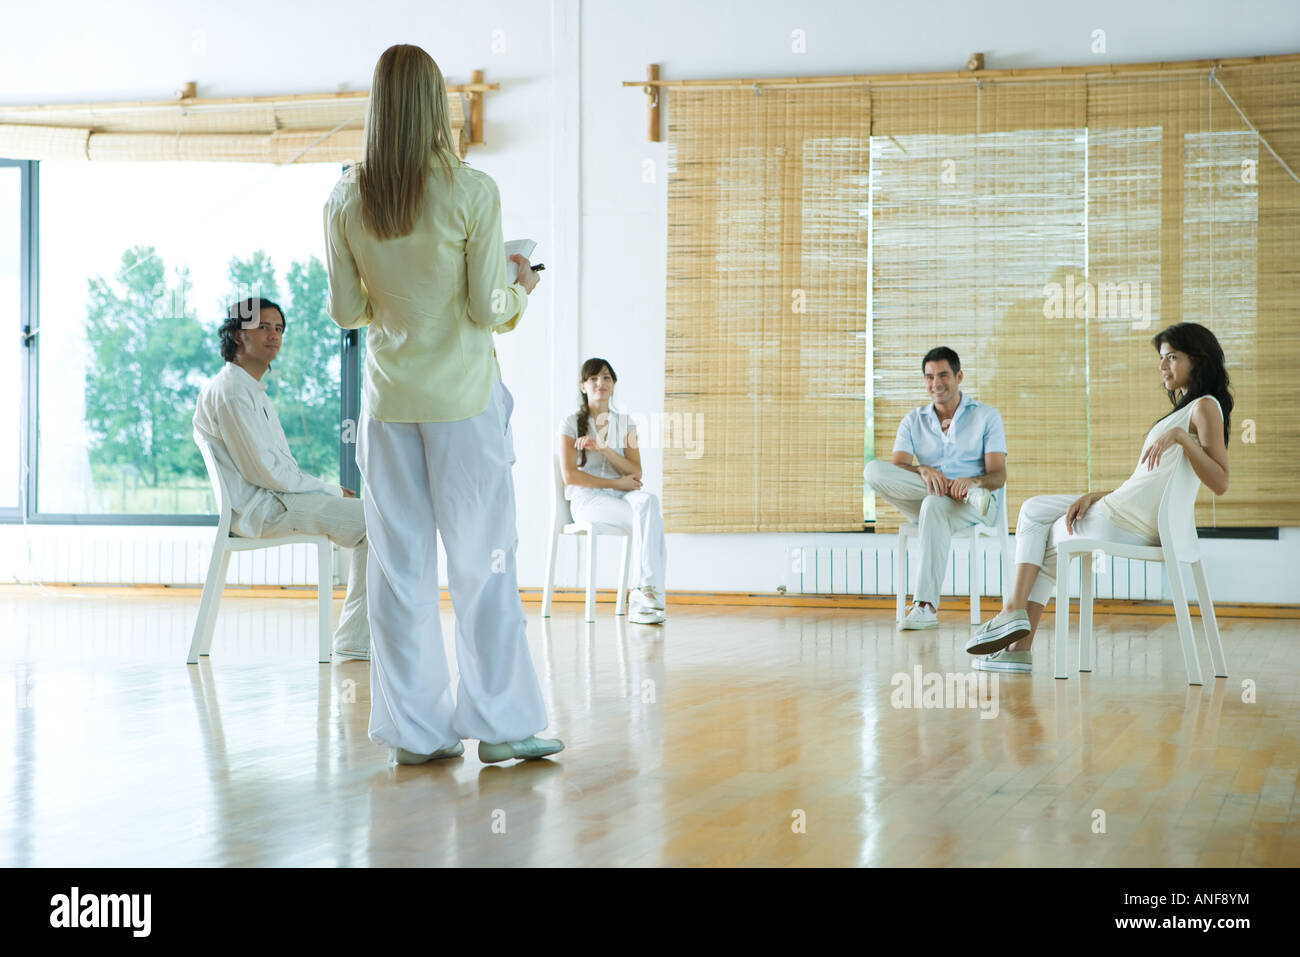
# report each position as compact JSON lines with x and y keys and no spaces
{"x":407,"y":128}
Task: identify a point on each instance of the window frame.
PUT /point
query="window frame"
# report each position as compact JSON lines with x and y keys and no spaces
{"x":26,"y":172}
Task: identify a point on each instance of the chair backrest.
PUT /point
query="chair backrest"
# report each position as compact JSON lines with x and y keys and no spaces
{"x":218,"y":484}
{"x":560,"y":512}
{"x":1176,"y":519}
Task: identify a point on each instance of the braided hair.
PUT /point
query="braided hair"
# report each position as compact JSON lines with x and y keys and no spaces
{"x":589,"y":368}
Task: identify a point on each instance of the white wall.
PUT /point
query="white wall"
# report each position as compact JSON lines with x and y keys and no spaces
{"x":566,"y":143}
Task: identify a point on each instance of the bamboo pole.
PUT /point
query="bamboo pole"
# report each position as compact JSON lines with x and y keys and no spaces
{"x":652,"y":74}
{"x":476,"y":110}
{"x":965,"y":76}
{"x":475,"y":87}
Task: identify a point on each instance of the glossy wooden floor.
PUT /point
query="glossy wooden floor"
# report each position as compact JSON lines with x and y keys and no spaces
{"x":704,"y":742}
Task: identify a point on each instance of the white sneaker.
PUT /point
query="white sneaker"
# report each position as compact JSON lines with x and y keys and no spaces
{"x":919,"y":619}
{"x":644,"y":615}
{"x":980,"y":499}
{"x":357,"y":652}
{"x":1010,"y":662}
{"x":647,"y":597}
{"x":1005,"y":629}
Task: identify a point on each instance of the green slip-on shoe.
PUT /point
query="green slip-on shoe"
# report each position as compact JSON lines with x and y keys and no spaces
{"x":402,"y":756}
{"x":530,"y":749}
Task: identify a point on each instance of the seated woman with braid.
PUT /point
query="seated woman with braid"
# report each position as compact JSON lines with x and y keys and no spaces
{"x":601,"y":463}
{"x":1193,"y":373}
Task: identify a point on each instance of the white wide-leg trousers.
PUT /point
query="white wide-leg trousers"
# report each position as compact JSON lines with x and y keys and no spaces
{"x":451,"y":479}
{"x":1041,"y":524}
{"x":637,"y":511}
{"x":936,"y":518}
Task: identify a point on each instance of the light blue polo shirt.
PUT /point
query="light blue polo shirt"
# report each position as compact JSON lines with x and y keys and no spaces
{"x":959,"y":453}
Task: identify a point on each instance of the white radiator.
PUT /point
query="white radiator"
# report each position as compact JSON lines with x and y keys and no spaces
{"x":863,"y":571}
{"x":107,"y":555}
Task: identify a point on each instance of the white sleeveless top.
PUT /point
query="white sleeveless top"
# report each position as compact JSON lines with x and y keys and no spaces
{"x":615,"y":437}
{"x":1135,"y":505}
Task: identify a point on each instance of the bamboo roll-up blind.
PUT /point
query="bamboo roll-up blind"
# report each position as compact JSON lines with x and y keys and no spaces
{"x":968,"y":225}
{"x":1191,"y":219}
{"x":255,"y":131}
{"x":1262,"y":490}
{"x":767,"y":309}
{"x":1044,"y":227}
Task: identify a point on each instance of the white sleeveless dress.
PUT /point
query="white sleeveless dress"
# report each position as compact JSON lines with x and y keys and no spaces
{"x":1135,"y":505}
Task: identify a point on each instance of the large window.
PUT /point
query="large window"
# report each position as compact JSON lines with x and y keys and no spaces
{"x":137,"y":264}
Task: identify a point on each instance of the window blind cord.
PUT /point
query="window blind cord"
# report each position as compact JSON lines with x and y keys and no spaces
{"x":1215,"y":79}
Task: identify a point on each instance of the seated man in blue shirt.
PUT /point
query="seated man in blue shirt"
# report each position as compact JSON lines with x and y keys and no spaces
{"x":961,"y":453}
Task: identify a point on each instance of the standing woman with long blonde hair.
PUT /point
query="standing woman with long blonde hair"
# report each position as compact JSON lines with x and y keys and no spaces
{"x":415,"y":253}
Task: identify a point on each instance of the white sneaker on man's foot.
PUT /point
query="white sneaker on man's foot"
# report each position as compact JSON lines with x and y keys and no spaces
{"x":359,"y":651}
{"x":647,"y":597}
{"x":919,"y":618}
{"x":643,"y":615}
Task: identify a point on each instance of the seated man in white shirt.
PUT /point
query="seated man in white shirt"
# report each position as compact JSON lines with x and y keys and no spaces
{"x":270,"y":496}
{"x":961,"y":454}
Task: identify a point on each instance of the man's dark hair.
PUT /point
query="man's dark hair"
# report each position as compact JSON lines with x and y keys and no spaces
{"x":940,"y":354}
{"x":236,"y":316}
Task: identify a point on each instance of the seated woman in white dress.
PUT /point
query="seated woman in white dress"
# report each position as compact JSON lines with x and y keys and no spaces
{"x":1193,"y":373}
{"x":601,"y":465}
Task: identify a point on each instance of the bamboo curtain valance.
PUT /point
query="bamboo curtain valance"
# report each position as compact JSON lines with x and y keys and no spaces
{"x":292,"y":129}
{"x":1043,"y":228}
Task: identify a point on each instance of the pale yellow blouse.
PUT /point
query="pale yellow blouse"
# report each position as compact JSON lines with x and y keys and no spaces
{"x":431,"y":299}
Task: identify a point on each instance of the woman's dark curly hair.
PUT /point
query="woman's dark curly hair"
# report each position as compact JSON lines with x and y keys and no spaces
{"x":1209,"y":375}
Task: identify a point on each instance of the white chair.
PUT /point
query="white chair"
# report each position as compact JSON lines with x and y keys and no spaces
{"x":1176,"y":522}
{"x":225,"y":544}
{"x":562,"y":523}
{"x":973,"y":534}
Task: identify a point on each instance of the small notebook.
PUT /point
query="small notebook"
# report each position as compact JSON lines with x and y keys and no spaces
{"x":523,"y":247}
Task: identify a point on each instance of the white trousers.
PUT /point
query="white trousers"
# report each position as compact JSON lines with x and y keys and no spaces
{"x":343,"y":521}
{"x":1041,"y":525}
{"x":637,"y":511}
{"x":936,"y":517}
{"x":451,"y":479}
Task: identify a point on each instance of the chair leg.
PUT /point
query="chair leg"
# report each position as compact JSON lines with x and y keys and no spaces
{"x":1007,"y":556}
{"x":1208,"y":620}
{"x":620,"y":601}
{"x":1061,"y":651}
{"x":550,"y":575}
{"x":206,"y":623}
{"x":977,"y":582}
{"x":1085,"y":611}
{"x":1179,"y":595}
{"x":591,"y":576}
{"x":324,"y":599}
{"x":900,"y":575}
